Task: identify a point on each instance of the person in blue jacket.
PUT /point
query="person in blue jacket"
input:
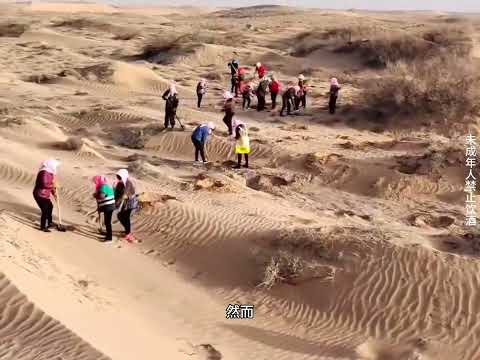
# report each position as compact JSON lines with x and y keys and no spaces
{"x":200,"y":137}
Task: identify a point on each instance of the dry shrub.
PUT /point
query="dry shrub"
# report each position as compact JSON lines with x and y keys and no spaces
{"x":73,"y":143}
{"x":12,"y":29}
{"x":40,"y":78}
{"x":127,"y":35}
{"x":295,"y":256}
{"x":256,"y":11}
{"x":132,"y":138}
{"x":457,"y":39}
{"x":451,"y":19}
{"x":447,"y":86}
{"x":349,"y":33}
{"x":380,"y":51}
{"x":165,"y":49}
{"x":213,"y":76}
{"x":83,"y":23}
{"x":102,"y":72}
{"x":307,"y":42}
{"x":378,"y":47}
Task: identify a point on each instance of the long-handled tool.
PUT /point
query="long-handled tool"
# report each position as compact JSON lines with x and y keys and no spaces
{"x":100,"y":222}
{"x":181,"y":125}
{"x":60,"y":226}
{"x":231,"y":151}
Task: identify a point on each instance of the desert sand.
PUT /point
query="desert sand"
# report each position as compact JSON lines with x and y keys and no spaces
{"x":346,"y":235}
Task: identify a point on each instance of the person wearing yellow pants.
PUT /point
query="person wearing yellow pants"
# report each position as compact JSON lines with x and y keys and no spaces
{"x":242,"y":145}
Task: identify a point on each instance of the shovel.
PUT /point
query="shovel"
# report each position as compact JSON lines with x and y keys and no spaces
{"x":181,"y":125}
{"x":60,"y":227}
{"x":100,"y":229}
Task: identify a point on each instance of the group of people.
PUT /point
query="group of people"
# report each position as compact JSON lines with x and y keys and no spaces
{"x":120,"y":196}
{"x":294,"y":96}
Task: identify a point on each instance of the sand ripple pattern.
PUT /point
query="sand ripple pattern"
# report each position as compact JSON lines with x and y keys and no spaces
{"x":180,"y":144}
{"x":396,"y":294}
{"x":179,"y":226}
{"x":28,"y":333}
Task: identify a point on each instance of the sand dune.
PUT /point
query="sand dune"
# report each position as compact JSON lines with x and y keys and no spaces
{"x":346,"y":233}
{"x":71,"y":7}
{"x":28,"y":333}
{"x":53,"y":38}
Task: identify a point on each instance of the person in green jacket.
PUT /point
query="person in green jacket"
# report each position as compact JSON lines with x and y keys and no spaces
{"x":105,"y":202}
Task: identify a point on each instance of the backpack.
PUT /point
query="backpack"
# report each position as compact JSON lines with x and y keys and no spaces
{"x":132,"y":202}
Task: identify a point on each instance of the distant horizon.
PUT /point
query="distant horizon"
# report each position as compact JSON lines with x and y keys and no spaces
{"x":460,"y":6}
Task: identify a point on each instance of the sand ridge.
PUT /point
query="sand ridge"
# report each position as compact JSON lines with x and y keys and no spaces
{"x":348,"y":240}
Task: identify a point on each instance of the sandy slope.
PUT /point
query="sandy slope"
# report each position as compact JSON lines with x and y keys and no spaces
{"x":379,"y":214}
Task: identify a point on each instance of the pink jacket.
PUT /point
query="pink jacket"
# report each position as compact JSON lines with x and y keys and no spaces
{"x":44,"y":185}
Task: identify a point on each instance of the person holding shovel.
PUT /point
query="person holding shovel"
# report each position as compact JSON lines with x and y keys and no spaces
{"x":200,"y":138}
{"x":334,"y":90}
{"x":44,"y":189}
{"x":242,"y":145}
{"x":125,"y":201}
{"x":105,"y":202}
{"x":171,"y":104}
{"x":201,"y":91}
{"x":229,"y":109}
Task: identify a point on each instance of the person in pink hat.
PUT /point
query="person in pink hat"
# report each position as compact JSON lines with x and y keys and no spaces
{"x":334,"y":89}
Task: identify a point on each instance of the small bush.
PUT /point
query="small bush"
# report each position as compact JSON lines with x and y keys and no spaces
{"x":40,"y":78}
{"x":213,"y":76}
{"x":12,"y":29}
{"x":129,"y":35}
{"x":456,"y":39}
{"x":310,"y":41}
{"x":281,"y":268}
{"x":447,"y":86}
{"x":379,"y":48}
{"x":73,"y":144}
{"x":83,"y":23}
{"x":131,"y":138}
{"x":295,"y":256}
{"x":163,"y":49}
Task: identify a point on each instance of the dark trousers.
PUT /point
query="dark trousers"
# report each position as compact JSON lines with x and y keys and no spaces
{"x":274,"y":99}
{"x":287,"y":103}
{"x":199,"y":149}
{"x":303,"y":101}
{"x":235,"y":87}
{"x":107,"y":219}
{"x":227,"y":119}
{"x":124,"y":218}
{"x":332,"y":104}
{"x":46,"y":208}
{"x":239,"y":159}
{"x":296,"y":102}
{"x":200,"y":97}
{"x":261,"y":102}
{"x":246,"y":102}
{"x":170,"y":118}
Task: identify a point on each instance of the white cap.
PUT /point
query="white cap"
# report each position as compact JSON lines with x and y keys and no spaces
{"x":259,"y":64}
{"x":211,"y":125}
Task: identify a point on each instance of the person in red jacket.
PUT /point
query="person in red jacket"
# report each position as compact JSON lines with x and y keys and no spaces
{"x":275,"y":88}
{"x":43,"y":190}
{"x":261,"y":70}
